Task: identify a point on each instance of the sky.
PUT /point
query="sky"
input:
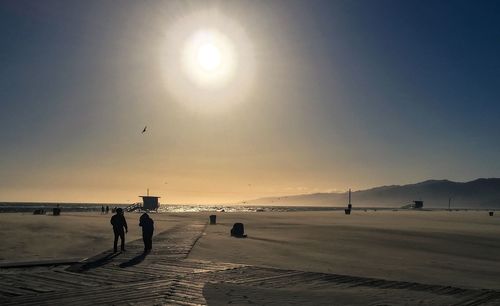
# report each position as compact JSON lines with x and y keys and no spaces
{"x":323,"y":96}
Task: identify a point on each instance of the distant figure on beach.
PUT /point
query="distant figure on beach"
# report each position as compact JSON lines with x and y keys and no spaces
{"x":148,"y":228}
{"x":107,"y":209}
{"x":102,"y":209}
{"x":56,"y":211}
{"x":119,"y":228}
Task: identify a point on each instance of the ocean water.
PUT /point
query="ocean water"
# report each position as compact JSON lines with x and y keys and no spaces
{"x":8,"y":207}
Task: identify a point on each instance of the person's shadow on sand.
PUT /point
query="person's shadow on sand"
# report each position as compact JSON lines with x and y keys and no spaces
{"x":134,"y":261}
{"x":100,"y":261}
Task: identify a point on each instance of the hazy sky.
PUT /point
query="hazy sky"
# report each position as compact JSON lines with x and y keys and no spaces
{"x":342,"y":94}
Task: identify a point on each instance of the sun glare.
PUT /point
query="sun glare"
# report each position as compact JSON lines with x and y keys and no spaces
{"x":208,"y":58}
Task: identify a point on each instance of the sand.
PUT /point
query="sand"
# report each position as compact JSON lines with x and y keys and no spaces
{"x":225,"y":294}
{"x":452,"y":248}
{"x":444,"y":248}
{"x":27,"y":237}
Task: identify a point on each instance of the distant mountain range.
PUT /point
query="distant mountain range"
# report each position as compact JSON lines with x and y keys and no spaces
{"x":480,"y":193}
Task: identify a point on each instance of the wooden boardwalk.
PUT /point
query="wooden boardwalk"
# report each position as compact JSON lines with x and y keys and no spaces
{"x":167,"y":277}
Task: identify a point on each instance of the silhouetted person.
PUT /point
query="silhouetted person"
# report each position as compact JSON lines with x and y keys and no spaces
{"x":107,"y":209}
{"x":56,"y":211}
{"x":102,"y":209}
{"x":148,"y":228}
{"x":119,"y":224}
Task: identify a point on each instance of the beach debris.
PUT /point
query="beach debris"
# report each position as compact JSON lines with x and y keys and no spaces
{"x":491,"y":213}
{"x":144,"y":130}
{"x":238,"y":231}
{"x":213,"y":219}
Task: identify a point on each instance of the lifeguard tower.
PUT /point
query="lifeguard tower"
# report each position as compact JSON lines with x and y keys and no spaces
{"x":149,"y":203}
{"x":414,"y":205}
{"x":417,"y":205}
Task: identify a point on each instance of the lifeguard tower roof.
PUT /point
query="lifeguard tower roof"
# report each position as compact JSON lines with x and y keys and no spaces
{"x":150,"y":202}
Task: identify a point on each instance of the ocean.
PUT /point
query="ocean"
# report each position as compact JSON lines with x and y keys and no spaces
{"x":25,"y":207}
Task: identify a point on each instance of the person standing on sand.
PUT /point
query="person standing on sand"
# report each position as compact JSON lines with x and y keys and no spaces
{"x":119,"y":224}
{"x":107,"y":209}
{"x":148,"y":228}
{"x":102,"y":210}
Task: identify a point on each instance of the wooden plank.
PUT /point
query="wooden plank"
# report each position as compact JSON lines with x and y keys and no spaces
{"x":37,"y":263}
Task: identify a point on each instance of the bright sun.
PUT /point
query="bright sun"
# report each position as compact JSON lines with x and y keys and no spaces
{"x":208,"y":57}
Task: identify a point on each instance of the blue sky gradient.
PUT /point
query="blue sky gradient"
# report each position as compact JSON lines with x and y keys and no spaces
{"x":346,"y":94}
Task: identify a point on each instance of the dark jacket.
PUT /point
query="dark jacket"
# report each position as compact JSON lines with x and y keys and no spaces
{"x":147,"y":225}
{"x":119,"y":222}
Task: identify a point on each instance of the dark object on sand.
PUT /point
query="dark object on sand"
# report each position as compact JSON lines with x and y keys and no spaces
{"x":491,"y":214}
{"x":213,"y":219}
{"x":56,"y":211}
{"x":39,"y":212}
{"x":238,"y":230}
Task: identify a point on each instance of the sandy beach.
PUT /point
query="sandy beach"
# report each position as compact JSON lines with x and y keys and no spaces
{"x":452,"y":248}
{"x":27,"y":237}
{"x":446,"y":248}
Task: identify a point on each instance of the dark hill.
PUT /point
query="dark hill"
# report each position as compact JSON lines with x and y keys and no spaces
{"x":480,"y":193}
